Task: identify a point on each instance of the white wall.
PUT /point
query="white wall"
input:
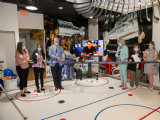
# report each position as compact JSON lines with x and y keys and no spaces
{"x":9,"y":19}
{"x":156,"y":39}
{"x":31,"y":21}
{"x":93,"y":35}
{"x":10,"y":22}
{"x":7,"y":50}
{"x":9,"y":35}
{"x":0,"y":15}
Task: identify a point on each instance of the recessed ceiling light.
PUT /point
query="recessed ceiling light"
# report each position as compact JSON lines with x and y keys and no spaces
{"x":60,"y":8}
{"x":139,"y":3}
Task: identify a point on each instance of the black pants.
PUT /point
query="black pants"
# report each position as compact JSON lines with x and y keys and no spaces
{"x":23,"y":76}
{"x":36,"y":73}
{"x":56,"y":72}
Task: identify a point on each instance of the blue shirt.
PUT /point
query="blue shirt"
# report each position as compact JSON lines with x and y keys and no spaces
{"x":56,"y":52}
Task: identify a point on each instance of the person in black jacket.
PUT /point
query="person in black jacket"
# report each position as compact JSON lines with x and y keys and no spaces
{"x":89,"y":49}
{"x":38,"y":66}
{"x":135,"y":69}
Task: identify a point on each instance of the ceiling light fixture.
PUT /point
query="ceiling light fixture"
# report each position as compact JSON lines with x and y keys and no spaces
{"x":60,"y":8}
{"x":91,"y":17}
{"x":31,"y":5}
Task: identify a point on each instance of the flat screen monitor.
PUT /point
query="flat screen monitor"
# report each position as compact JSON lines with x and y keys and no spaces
{"x":88,"y":48}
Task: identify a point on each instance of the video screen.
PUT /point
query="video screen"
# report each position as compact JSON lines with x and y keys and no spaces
{"x":89,"y":48}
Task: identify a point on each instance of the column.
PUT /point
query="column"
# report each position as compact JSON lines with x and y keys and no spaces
{"x":93,"y":35}
{"x":156,"y":39}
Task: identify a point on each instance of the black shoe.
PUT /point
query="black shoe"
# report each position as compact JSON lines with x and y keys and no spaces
{"x":23,"y":95}
{"x":43,"y":89}
{"x":27,"y":92}
{"x":38,"y":91}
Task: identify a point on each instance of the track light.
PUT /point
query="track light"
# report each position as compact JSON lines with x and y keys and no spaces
{"x":31,"y":5}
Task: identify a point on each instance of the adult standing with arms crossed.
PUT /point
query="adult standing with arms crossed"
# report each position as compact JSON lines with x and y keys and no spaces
{"x":56,"y":55}
{"x":151,"y":54}
{"x":122,"y":56}
{"x":22,"y":67}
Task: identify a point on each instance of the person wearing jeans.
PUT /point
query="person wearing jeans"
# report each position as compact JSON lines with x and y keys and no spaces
{"x":122,"y":56}
{"x":38,"y":66}
{"x":135,"y":69}
{"x":56,"y":55}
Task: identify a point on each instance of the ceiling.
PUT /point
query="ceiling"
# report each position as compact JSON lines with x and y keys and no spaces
{"x":48,"y":7}
{"x":128,"y":4}
{"x":52,"y":6}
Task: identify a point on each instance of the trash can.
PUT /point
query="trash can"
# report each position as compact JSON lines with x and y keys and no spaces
{"x":10,"y":84}
{"x":79,"y":74}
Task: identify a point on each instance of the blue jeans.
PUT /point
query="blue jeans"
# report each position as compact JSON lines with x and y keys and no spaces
{"x":123,"y":72}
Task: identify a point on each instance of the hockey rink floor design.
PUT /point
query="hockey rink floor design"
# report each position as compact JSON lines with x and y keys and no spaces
{"x":88,"y":99}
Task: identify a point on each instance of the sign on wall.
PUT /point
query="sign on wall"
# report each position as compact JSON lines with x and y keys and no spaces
{"x":24,"y":13}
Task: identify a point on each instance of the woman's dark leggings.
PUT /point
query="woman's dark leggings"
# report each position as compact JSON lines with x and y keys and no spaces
{"x":23,"y":76}
{"x":36,"y":73}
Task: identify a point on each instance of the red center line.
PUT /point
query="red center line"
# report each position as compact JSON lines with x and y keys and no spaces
{"x":149,"y":113}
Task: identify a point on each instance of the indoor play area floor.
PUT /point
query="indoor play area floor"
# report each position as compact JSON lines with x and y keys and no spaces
{"x":86,"y":99}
